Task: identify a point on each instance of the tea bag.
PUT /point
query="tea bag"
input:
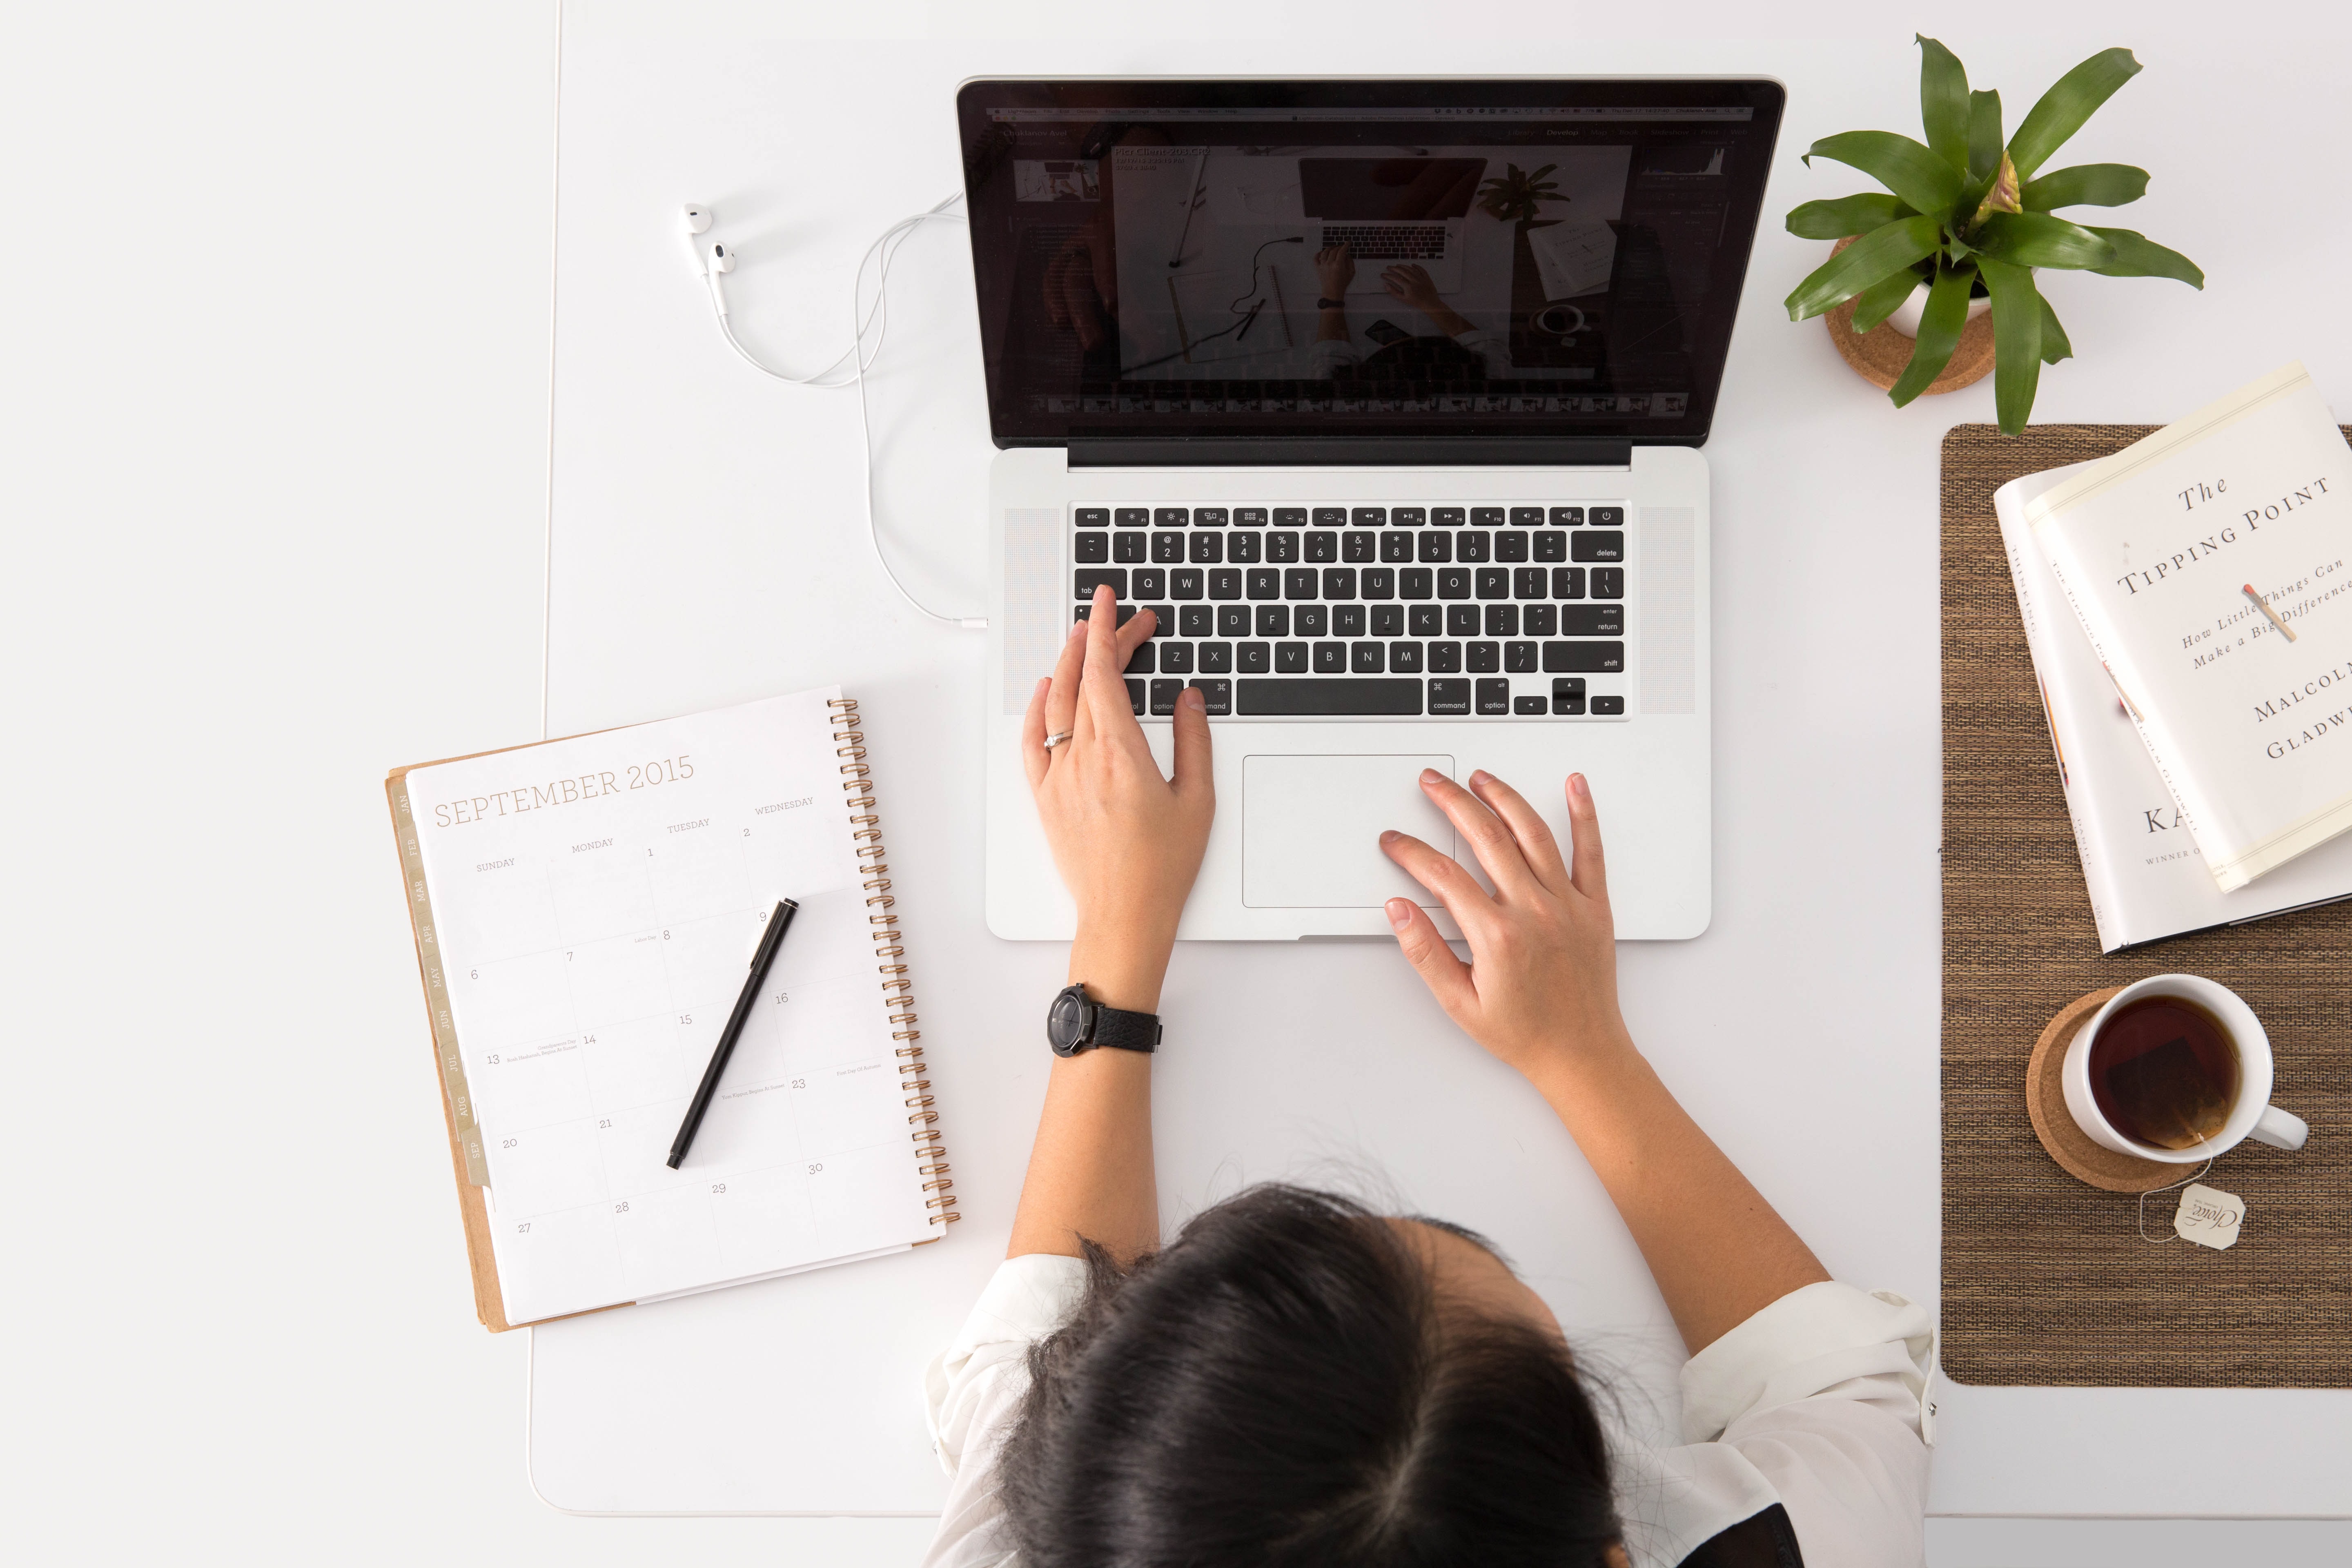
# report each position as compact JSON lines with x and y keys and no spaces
{"x":2165,"y":1097}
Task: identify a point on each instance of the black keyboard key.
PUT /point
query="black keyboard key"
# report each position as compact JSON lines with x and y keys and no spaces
{"x":1358,"y":546}
{"x":1435,"y":547}
{"x":1365,"y":657}
{"x":1568,"y":582}
{"x":1610,"y":546}
{"x":1264,"y":582}
{"x":1526,"y":517}
{"x":1126,"y":614}
{"x":1519,"y":658}
{"x":1163,"y":696}
{"x":1290,"y":658}
{"x":1129,"y":547}
{"x":1583,"y":658}
{"x":1196,"y":620}
{"x":1607,"y":707}
{"x":1184,"y":582}
{"x":1453,"y":581}
{"x":1389,"y":697}
{"x":1331,"y":517}
{"x":1388,"y":620}
{"x":1568,"y":698}
{"x":1347,"y":620}
{"x":1511,"y":544}
{"x":1444,"y":658}
{"x":1176,"y":658}
{"x":1290,"y":517}
{"x":1255,"y":657}
{"x":1396,"y":546}
{"x":1529,"y":706}
{"x":1135,"y":696}
{"x":1493,"y":582}
{"x":1298,"y":583}
{"x":1322,"y":547}
{"x":1369,"y":517}
{"x":1284,"y":547}
{"x":1415,"y":582}
{"x":1494,"y":697}
{"x":1140,"y":662}
{"x":1445,"y":516}
{"x":1486,"y":658}
{"x":1527,"y":581}
{"x":1241,"y":548}
{"x":1150,"y":582}
{"x":1216,"y":658}
{"x":1209,"y":517}
{"x":1568,"y":516}
{"x":1338,"y":582}
{"x":1379,"y":582}
{"x":1502,"y":620}
{"x":1426,"y":621}
{"x":1216,"y":696}
{"x":1331,"y":658}
{"x":1608,"y":582}
{"x":1163,"y":619}
{"x":1233,"y":620}
{"x":1248,"y":517}
{"x":1208,"y":549}
{"x":1408,"y":516}
{"x":1170,"y":517}
{"x":1274,"y":620}
{"x":1462,"y":620}
{"x":1134,"y":517}
{"x":1539,"y":620}
{"x":1089,"y":578}
{"x":1487,"y":517}
{"x":1094,"y":547}
{"x":1449,"y":696}
{"x":1094,"y":517}
{"x":1472,"y":546}
{"x":1405,"y":658}
{"x":1592,"y":621}
{"x":1608,"y":517}
{"x":1224,"y":582}
{"x":1551,"y":544}
{"x":1311,"y":621}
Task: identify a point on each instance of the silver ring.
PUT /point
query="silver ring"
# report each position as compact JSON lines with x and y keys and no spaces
{"x":1053,"y":741}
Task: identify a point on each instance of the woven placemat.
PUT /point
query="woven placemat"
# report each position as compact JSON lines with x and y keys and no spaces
{"x":2046,"y":1281}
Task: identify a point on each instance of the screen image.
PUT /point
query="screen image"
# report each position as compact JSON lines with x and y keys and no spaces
{"x":1230,"y":264}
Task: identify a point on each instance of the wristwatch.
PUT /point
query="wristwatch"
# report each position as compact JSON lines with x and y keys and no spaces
{"x":1076,"y":1022}
{"x":1330,"y":304}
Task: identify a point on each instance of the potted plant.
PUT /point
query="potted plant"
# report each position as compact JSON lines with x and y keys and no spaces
{"x":1515,"y":195}
{"x":1965,"y":214}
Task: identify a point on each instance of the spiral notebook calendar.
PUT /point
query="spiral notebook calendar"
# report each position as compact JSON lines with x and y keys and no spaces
{"x":584,"y":913}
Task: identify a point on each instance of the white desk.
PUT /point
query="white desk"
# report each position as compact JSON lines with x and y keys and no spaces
{"x":707,"y":549}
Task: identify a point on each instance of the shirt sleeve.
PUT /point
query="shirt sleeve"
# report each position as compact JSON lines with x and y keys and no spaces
{"x":973,"y":1389}
{"x":1491,"y":347}
{"x":1326,"y":355}
{"x":1821,"y":1392}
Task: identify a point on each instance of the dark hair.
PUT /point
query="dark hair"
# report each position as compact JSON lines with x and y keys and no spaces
{"x":1282,"y":1386}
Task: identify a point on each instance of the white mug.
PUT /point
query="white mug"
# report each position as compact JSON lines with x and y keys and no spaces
{"x":2251,"y":1115}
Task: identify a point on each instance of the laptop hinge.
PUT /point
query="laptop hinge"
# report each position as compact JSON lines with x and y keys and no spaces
{"x":1459,"y":452}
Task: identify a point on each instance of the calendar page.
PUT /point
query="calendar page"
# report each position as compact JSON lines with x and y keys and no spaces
{"x":597,"y":901}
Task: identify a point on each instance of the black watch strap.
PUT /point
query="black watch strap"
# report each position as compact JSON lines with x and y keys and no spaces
{"x":1078,"y":1022}
{"x":1326,"y":303}
{"x":1127,"y":1031}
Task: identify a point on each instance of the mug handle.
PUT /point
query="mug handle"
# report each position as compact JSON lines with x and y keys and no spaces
{"x":2279,"y":1129}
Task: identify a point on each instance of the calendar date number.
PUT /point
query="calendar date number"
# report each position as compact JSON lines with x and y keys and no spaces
{"x":661,"y":771}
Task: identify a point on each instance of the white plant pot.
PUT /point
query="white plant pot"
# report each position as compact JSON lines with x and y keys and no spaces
{"x":1905,"y":319}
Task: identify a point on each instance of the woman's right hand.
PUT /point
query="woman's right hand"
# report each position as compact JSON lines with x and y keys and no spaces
{"x":1335,"y":269}
{"x":1540,"y":991}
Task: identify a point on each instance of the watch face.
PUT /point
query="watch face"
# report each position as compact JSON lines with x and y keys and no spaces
{"x":1065,"y":1024}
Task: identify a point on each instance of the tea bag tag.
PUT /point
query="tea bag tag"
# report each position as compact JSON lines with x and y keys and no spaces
{"x":2208,"y":1217}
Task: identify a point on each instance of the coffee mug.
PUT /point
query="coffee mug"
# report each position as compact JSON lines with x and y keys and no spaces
{"x":2250,"y":1114}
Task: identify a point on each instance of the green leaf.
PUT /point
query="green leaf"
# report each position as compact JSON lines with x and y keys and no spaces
{"x":1939,"y":332}
{"x":2054,"y":346}
{"x":1847,"y":214}
{"x":1984,"y":137}
{"x":2072,"y":98}
{"x":1883,"y":298}
{"x":2137,"y":255}
{"x":2086,"y":186}
{"x":2037,"y":239}
{"x":2016,"y":342}
{"x":1865,"y":262}
{"x":1904,"y":166}
{"x":1944,"y":101}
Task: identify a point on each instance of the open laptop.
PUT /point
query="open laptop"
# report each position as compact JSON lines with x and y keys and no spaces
{"x":1459,"y":527}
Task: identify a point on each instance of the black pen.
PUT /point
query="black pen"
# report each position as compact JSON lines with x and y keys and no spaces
{"x":762,"y":959}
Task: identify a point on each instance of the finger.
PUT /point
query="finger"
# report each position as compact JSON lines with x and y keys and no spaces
{"x":1195,"y":778}
{"x":1527,"y":825}
{"x":1489,"y":839}
{"x":1062,"y":700}
{"x":1102,"y":694}
{"x":1033,"y":756}
{"x":1447,"y":977}
{"x":1591,"y":872}
{"x":1452,"y":886}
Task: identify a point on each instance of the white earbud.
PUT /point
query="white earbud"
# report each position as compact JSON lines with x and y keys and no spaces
{"x":698,"y":218}
{"x":722,"y":262}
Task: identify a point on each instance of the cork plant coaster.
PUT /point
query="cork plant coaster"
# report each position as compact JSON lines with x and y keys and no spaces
{"x":2045,"y":1102}
{"x":1880,"y":354}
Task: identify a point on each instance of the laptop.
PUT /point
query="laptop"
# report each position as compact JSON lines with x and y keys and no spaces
{"x":1460,"y":522}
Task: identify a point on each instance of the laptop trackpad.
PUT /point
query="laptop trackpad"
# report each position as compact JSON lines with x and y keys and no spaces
{"x":1311,"y":829}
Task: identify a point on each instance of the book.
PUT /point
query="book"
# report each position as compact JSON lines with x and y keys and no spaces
{"x":2146,"y":879}
{"x":584,"y":913}
{"x":2181,"y":556}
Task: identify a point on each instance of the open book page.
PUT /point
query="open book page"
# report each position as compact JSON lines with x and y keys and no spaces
{"x":2153,"y":547}
{"x":597,"y":900}
{"x":2144,"y":876}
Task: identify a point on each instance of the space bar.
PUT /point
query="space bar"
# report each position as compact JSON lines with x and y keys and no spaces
{"x":1331,"y":694}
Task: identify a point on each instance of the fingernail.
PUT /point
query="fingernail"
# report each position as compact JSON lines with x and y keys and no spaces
{"x":1400,"y":913}
{"x":1430,"y":775}
{"x":1044,"y":682}
{"x":1193,"y":699}
{"x":1577,"y":787}
{"x":1389,"y":836}
{"x":1481,"y":777}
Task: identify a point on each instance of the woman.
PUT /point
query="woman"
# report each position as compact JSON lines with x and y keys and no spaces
{"x":1297,"y":1381}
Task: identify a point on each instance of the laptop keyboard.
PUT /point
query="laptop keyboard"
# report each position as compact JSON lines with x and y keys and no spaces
{"x":1367,"y":612}
{"x":1388,"y":241}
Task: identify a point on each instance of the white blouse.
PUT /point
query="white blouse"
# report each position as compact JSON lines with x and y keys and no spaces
{"x":1814,"y":1403}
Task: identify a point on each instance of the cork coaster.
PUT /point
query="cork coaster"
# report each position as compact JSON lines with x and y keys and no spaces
{"x":1880,"y":354}
{"x":2045,"y":1102}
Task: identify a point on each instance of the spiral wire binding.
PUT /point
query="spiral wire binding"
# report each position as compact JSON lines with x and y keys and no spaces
{"x":890,"y":949}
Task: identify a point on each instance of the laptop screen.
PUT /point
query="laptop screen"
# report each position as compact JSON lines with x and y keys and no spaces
{"x":1486,"y":260}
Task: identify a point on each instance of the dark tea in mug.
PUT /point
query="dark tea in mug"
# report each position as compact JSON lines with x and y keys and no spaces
{"x":2164,"y":1072}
